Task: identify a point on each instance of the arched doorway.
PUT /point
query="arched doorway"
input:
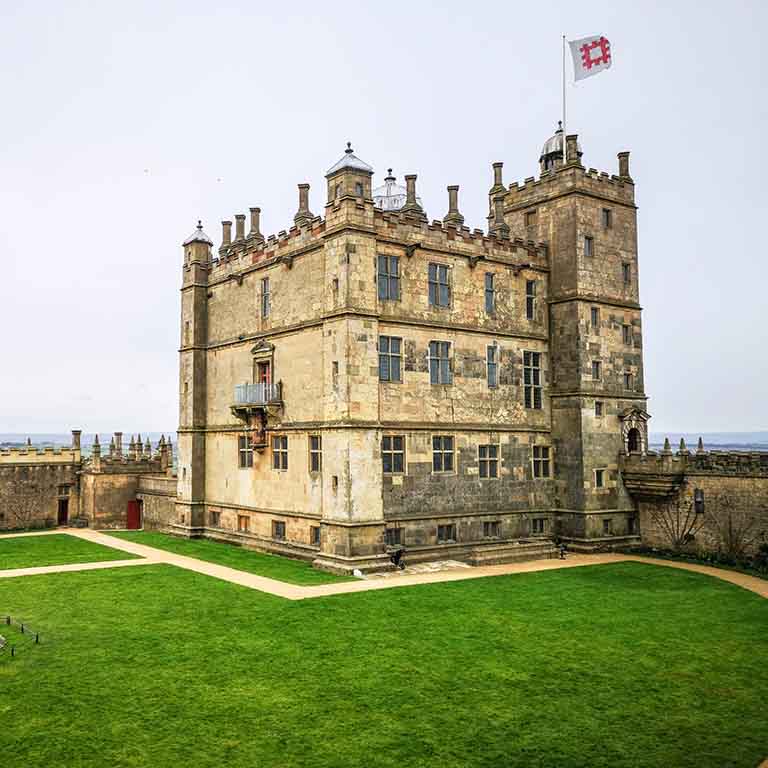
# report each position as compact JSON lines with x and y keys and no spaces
{"x":633,"y":440}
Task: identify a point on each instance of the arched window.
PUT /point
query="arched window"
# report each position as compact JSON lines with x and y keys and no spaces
{"x":633,"y":440}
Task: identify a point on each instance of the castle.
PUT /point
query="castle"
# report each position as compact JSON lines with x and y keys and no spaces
{"x":367,"y":379}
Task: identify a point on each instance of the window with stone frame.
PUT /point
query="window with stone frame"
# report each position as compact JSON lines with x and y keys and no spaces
{"x":492,"y":365}
{"x":530,"y":218}
{"x":442,"y":453}
{"x":393,"y":537}
{"x":439,"y":285}
{"x":607,"y":526}
{"x":490,"y":293}
{"x":629,"y":381}
{"x":598,"y":408}
{"x":388,"y":278}
{"x":607,"y":218}
{"x":266,"y":297}
{"x":314,"y":535}
{"x":530,"y":299}
{"x":393,"y":454}
{"x":626,"y":272}
{"x":539,"y":526}
{"x":600,"y":478}
{"x":214,"y":519}
{"x":390,"y":358}
{"x":243,"y":523}
{"x":589,"y":246}
{"x":358,"y":189}
{"x":278,"y":530}
{"x":491,"y":529}
{"x":440,"y":362}
{"x":597,"y":370}
{"x":244,"y":452}
{"x":446,"y":534}
{"x":631,"y":524}
{"x":488,"y":460}
{"x":532,"y":388}
{"x":280,"y":452}
{"x":594,"y":319}
{"x":626,"y":334}
{"x":542,"y":461}
{"x":315,"y":454}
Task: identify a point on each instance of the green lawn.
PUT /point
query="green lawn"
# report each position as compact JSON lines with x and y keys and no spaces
{"x":54,"y":549}
{"x":619,"y":666}
{"x":260,"y":563}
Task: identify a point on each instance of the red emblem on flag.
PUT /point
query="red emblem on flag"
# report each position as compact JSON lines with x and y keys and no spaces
{"x":603,"y":56}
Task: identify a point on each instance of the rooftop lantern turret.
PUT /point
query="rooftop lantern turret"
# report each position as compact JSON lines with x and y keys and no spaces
{"x":349,"y":177}
{"x":391,"y":196}
{"x":552,"y":151}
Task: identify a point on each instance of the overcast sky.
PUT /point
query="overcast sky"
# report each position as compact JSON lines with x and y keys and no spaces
{"x":125,"y":123}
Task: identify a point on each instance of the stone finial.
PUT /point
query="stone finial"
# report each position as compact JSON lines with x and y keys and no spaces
{"x":303,"y":215}
{"x":239,"y":227}
{"x":667,"y":447}
{"x":96,"y":449}
{"x":411,"y":203}
{"x":572,"y":148}
{"x":499,"y":227}
{"x":161,"y":444}
{"x":112,"y":447}
{"x":119,"y":443}
{"x":624,"y":165}
{"x":29,"y":441}
{"x":226,"y":233}
{"x":148,"y":449}
{"x":255,"y":233}
{"x":700,"y":446}
{"x":683,"y":450}
{"x":453,"y":216}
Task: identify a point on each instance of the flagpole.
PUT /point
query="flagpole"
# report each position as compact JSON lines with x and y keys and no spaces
{"x":564,"y":130}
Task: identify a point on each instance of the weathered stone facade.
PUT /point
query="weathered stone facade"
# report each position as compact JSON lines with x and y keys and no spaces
{"x":304,"y":319}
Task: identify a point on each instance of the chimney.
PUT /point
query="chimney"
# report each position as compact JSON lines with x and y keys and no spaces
{"x":497,"y":182}
{"x":119,"y":443}
{"x":500,"y":228}
{"x":226,"y":233}
{"x":411,"y":203}
{"x":255,"y":224}
{"x":453,"y":216}
{"x":303,"y":215}
{"x":624,"y":165}
{"x":239,"y":227}
{"x":76,"y":439}
{"x":572,"y":148}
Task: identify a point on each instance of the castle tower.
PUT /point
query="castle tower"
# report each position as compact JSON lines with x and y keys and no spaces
{"x":192,"y":382}
{"x":596,"y":388}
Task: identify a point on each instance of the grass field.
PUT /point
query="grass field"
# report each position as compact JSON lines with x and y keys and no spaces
{"x":622,"y":665}
{"x":54,"y":549}
{"x":262,"y":564}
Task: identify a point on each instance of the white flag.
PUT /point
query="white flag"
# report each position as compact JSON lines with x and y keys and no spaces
{"x":590,"y":56}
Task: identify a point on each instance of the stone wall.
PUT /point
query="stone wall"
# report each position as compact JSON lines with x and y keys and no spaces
{"x":157,"y":494}
{"x":735,"y":495}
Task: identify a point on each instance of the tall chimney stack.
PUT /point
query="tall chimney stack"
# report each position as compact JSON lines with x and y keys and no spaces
{"x":255,"y":232}
{"x":303,"y":215}
{"x":226,"y":233}
{"x":624,"y":165}
{"x":453,"y":216}
{"x":239,"y":227}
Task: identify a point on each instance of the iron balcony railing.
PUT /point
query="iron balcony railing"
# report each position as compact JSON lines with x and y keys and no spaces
{"x":258,"y":394}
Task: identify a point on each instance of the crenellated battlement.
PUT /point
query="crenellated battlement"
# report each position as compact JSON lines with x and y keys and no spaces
{"x":571,"y":178}
{"x":138,"y":459}
{"x":32,"y":455}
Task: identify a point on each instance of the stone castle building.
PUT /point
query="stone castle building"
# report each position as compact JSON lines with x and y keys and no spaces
{"x":368,"y":377}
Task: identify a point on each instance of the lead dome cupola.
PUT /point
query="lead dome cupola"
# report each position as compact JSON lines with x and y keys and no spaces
{"x":552,"y":151}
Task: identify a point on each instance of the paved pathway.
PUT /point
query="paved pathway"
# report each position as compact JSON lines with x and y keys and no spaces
{"x":153,"y":555}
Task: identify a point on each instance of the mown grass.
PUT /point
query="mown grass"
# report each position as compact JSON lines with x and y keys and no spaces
{"x":621,"y":665}
{"x":53,"y":549}
{"x":260,"y":563}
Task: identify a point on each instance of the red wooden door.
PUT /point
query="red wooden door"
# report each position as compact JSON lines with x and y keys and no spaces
{"x":134,"y":515}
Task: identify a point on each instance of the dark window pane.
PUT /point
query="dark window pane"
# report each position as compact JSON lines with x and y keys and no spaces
{"x":483,"y":469}
{"x":395,"y":369}
{"x":494,"y":469}
{"x":436,"y":463}
{"x":397,"y":443}
{"x":448,"y":462}
{"x":387,"y":462}
{"x":397,"y":462}
{"x":386,"y":443}
{"x":433,"y":272}
{"x":433,"y":372}
{"x":445,"y":373}
{"x":383,"y":368}
{"x":493,"y":451}
{"x":444,"y":298}
{"x":394,"y":345}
